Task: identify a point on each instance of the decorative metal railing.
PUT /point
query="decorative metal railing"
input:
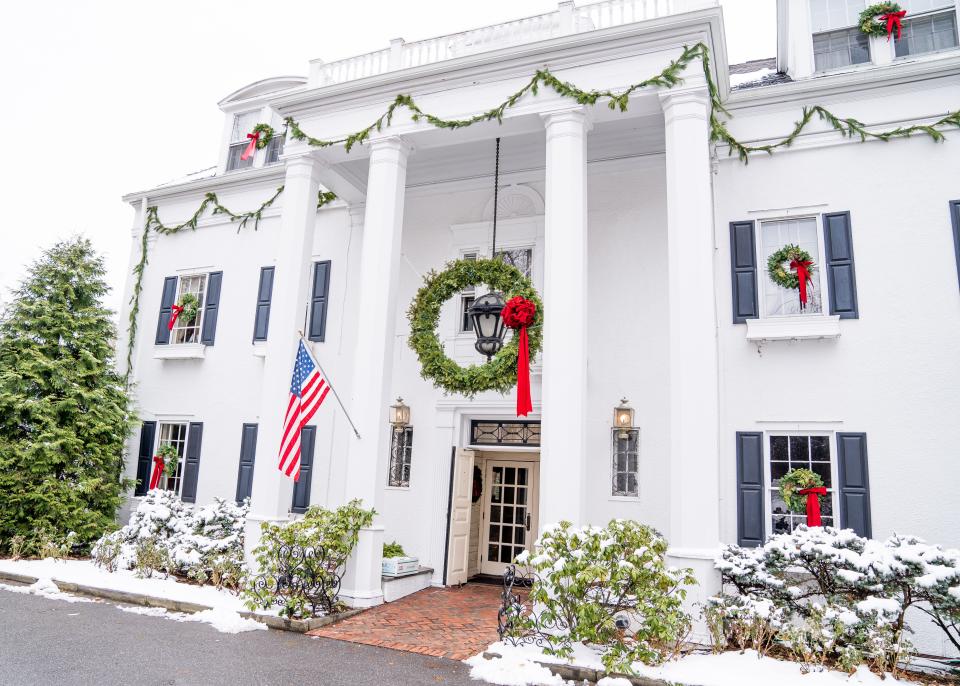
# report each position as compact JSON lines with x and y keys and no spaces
{"x":303,"y":573}
{"x":518,"y":621}
{"x":567,"y":19}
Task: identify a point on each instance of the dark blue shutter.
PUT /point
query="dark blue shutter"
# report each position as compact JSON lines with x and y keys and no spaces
{"x":841,"y":276}
{"x":191,"y":466}
{"x":166,"y":309}
{"x":261,"y":319}
{"x":955,"y":218}
{"x":145,"y":457}
{"x":210,"y":308}
{"x":743,"y":264}
{"x":750,"y":496}
{"x":301,"y":488}
{"x":854,"y":484}
{"x":248,"y":453}
{"x":318,"y":301}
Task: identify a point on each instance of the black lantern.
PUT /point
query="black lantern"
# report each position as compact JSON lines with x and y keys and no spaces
{"x":486,"y":314}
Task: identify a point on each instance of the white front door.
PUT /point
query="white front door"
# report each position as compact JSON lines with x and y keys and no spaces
{"x":509,"y":513}
{"x":459,"y":546}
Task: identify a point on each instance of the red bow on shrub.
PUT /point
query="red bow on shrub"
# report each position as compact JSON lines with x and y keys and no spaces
{"x":813,"y":504}
{"x":157,"y":472}
{"x":252,"y":146}
{"x":893,"y":19}
{"x":519,"y":313}
{"x":802,"y":268}
{"x":174,"y":313}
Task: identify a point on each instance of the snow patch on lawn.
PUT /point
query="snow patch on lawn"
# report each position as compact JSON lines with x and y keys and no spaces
{"x":511,"y":670}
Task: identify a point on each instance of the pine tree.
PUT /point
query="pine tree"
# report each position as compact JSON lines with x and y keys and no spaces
{"x":64,"y":411}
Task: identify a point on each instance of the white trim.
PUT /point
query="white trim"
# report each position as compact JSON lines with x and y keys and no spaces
{"x":794,"y":328}
{"x":179,"y":351}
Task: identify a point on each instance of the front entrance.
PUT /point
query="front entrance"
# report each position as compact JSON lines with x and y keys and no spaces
{"x":508,"y":521}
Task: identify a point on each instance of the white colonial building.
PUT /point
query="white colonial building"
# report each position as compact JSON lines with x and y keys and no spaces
{"x":649,"y":246}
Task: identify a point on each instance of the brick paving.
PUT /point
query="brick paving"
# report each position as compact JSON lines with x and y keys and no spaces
{"x":454,"y":623}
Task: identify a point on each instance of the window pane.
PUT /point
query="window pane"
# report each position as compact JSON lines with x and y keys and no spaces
{"x":274,"y":149}
{"x":778,"y":470}
{"x":774,"y":236}
{"x":928,"y":34}
{"x":834,"y":14}
{"x":494,"y":513}
{"x":840,"y":49}
{"x":493,"y":552}
{"x":778,"y":448}
{"x":823,"y":469}
{"x":521,"y":258}
{"x":243,"y":124}
{"x":233,"y":159}
{"x":799,"y":453}
{"x":819,"y":448}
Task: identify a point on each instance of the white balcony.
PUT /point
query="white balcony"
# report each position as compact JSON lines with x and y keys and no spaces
{"x":567,"y":19}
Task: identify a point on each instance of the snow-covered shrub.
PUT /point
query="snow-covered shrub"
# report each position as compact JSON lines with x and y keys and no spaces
{"x":301,"y":563}
{"x":844,"y":598}
{"x":588,"y":578}
{"x":743,"y":621}
{"x":166,"y":535}
{"x":49,"y":544}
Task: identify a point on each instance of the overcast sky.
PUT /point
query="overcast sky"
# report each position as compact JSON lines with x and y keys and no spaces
{"x":105,"y":97}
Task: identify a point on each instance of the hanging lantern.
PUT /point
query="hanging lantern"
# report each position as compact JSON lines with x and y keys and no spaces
{"x":486,"y":315}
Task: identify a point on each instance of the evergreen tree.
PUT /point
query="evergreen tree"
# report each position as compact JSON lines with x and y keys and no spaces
{"x":64,"y":411}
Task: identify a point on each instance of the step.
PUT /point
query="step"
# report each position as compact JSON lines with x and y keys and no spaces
{"x":396,"y":587}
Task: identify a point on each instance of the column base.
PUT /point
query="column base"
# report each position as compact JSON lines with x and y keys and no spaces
{"x":362,"y":580}
{"x":700,"y":560}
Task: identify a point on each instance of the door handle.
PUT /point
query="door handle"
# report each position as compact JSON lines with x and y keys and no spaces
{"x":528,"y":521}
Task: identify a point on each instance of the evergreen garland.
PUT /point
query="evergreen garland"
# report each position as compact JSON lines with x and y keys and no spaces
{"x":500,"y":373}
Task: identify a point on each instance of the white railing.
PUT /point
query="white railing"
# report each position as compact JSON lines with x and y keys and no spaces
{"x":568,"y":19}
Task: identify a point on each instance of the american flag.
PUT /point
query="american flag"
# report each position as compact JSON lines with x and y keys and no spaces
{"x":308,"y":389}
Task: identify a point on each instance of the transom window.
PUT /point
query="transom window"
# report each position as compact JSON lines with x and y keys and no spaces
{"x":774,"y":235}
{"x":837,"y":39}
{"x":930,"y":31}
{"x":793,"y":452}
{"x":504,"y":433}
{"x":521,"y":258}
{"x":174,"y":434}
{"x":401,"y":454}
{"x":187,"y":330}
{"x":626,"y":463}
{"x":243,"y":124}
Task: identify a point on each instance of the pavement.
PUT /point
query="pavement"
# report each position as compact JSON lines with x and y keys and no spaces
{"x":50,"y":641}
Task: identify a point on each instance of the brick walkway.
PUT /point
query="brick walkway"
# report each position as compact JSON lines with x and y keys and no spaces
{"x":455,"y":623}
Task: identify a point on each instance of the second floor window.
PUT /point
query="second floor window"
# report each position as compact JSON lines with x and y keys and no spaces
{"x":930,"y":26}
{"x":242,"y":125}
{"x":837,"y":39}
{"x":774,"y":235}
{"x":187,"y":329}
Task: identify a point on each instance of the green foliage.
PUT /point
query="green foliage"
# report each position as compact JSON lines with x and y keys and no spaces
{"x":393,"y":549}
{"x":64,"y":412}
{"x":780,"y":274}
{"x":191,"y":307}
{"x":796,"y":480}
{"x":333,"y":534}
{"x":588,"y":576}
{"x":266,"y":135}
{"x":16,"y":547}
{"x":171,"y":458}
{"x":868,"y":22}
{"x":498,"y":374}
{"x":151,"y":558}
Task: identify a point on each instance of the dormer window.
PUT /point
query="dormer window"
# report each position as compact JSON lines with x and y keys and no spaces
{"x":837,"y":39}
{"x":930,"y":26}
{"x":274,"y":148}
{"x":243,"y":124}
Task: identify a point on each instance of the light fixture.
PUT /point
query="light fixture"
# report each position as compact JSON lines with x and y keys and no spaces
{"x":399,"y":415}
{"x":623,"y":418}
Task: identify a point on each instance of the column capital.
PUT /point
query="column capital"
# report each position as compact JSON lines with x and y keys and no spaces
{"x":305,"y":164}
{"x":685,"y":103}
{"x":576,"y":114}
{"x":390,"y":142}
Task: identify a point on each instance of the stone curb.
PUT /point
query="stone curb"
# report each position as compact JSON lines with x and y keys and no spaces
{"x":272,"y":621}
{"x":579,"y":674}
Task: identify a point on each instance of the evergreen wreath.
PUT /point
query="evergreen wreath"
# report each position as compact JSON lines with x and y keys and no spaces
{"x":868,"y":18}
{"x":190,"y":307}
{"x":782,"y":275}
{"x":500,"y":373}
{"x":794,"y":481}
{"x":266,"y":134}
{"x":171,"y":458}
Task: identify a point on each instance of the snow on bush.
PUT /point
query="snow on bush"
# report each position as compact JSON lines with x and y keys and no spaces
{"x":588,"y":578}
{"x":830,"y":595}
{"x":167,"y":536}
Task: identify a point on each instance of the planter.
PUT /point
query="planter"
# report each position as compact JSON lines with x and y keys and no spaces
{"x":400,"y":566}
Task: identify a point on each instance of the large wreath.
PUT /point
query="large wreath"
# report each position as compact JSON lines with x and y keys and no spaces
{"x":778,"y":265}
{"x":500,"y":373}
{"x":794,"y":481}
{"x":869,"y":23}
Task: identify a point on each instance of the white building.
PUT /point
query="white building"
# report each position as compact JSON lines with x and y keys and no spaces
{"x":649,"y":246}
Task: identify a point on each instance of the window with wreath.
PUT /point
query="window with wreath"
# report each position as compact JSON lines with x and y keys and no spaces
{"x":930,"y":26}
{"x":626,"y":463}
{"x":837,"y":38}
{"x":401,"y":452}
{"x":174,"y":435}
{"x":187,"y":327}
{"x":788,"y":452}
{"x":790,"y":238}
{"x":243,"y":124}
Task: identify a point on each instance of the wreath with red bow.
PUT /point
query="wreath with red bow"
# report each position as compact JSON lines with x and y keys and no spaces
{"x":881,"y":19}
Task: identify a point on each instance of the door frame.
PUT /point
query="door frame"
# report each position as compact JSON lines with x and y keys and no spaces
{"x":533,"y":508}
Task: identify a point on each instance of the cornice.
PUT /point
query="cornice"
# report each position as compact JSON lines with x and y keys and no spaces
{"x":247,"y":177}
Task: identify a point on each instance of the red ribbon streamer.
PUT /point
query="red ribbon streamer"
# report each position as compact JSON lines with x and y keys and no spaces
{"x":176,"y":310}
{"x":519,"y":313}
{"x":803,"y":275}
{"x":813,"y":504}
{"x":252,"y":146}
{"x":157,"y":472}
{"x":893,"y":19}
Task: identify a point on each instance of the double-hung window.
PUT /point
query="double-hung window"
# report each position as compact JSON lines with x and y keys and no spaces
{"x":837,"y":39}
{"x":467,"y":297}
{"x":804,"y":233}
{"x":274,"y":148}
{"x":788,"y":452}
{"x":173,"y":434}
{"x":187,"y":329}
{"x":930,"y":26}
{"x":243,"y":124}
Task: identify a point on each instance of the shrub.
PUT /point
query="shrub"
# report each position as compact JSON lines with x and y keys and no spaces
{"x":588,"y":578}
{"x":743,"y":621}
{"x":16,"y":547}
{"x":393,"y":549}
{"x":49,"y":544}
{"x":301,"y":563}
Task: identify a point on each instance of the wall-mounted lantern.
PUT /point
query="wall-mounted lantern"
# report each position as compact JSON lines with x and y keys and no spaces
{"x":623,"y":418}
{"x":399,"y":415}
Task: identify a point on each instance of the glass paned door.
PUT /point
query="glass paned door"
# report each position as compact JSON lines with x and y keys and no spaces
{"x":510,"y":509}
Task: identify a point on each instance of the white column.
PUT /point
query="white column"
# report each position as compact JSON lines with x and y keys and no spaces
{"x":272,"y":490}
{"x":563,"y":430}
{"x":373,"y":355}
{"x":694,"y":490}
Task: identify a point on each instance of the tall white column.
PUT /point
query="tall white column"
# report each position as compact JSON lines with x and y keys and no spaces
{"x":373,"y":355}
{"x":272,"y":490}
{"x":563,"y":430}
{"x":693,"y":367}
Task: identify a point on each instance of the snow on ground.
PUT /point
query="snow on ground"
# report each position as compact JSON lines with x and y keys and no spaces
{"x":517,"y":667}
{"x":226,"y":621}
{"x":46,"y":588}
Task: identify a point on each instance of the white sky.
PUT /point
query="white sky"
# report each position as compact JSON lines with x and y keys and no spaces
{"x":105,"y":97}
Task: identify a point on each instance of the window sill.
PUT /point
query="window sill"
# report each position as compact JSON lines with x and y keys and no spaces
{"x":260,"y":349}
{"x":803,"y":327}
{"x":179,"y":351}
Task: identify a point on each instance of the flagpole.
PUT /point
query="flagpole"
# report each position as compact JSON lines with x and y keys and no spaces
{"x":306,"y":345}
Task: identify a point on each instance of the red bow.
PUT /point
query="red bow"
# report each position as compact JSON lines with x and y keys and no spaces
{"x":519,"y":313}
{"x":176,"y":310}
{"x":157,"y":472}
{"x":803,"y":275}
{"x":813,"y":504}
{"x":252,"y":146}
{"x":893,"y":19}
